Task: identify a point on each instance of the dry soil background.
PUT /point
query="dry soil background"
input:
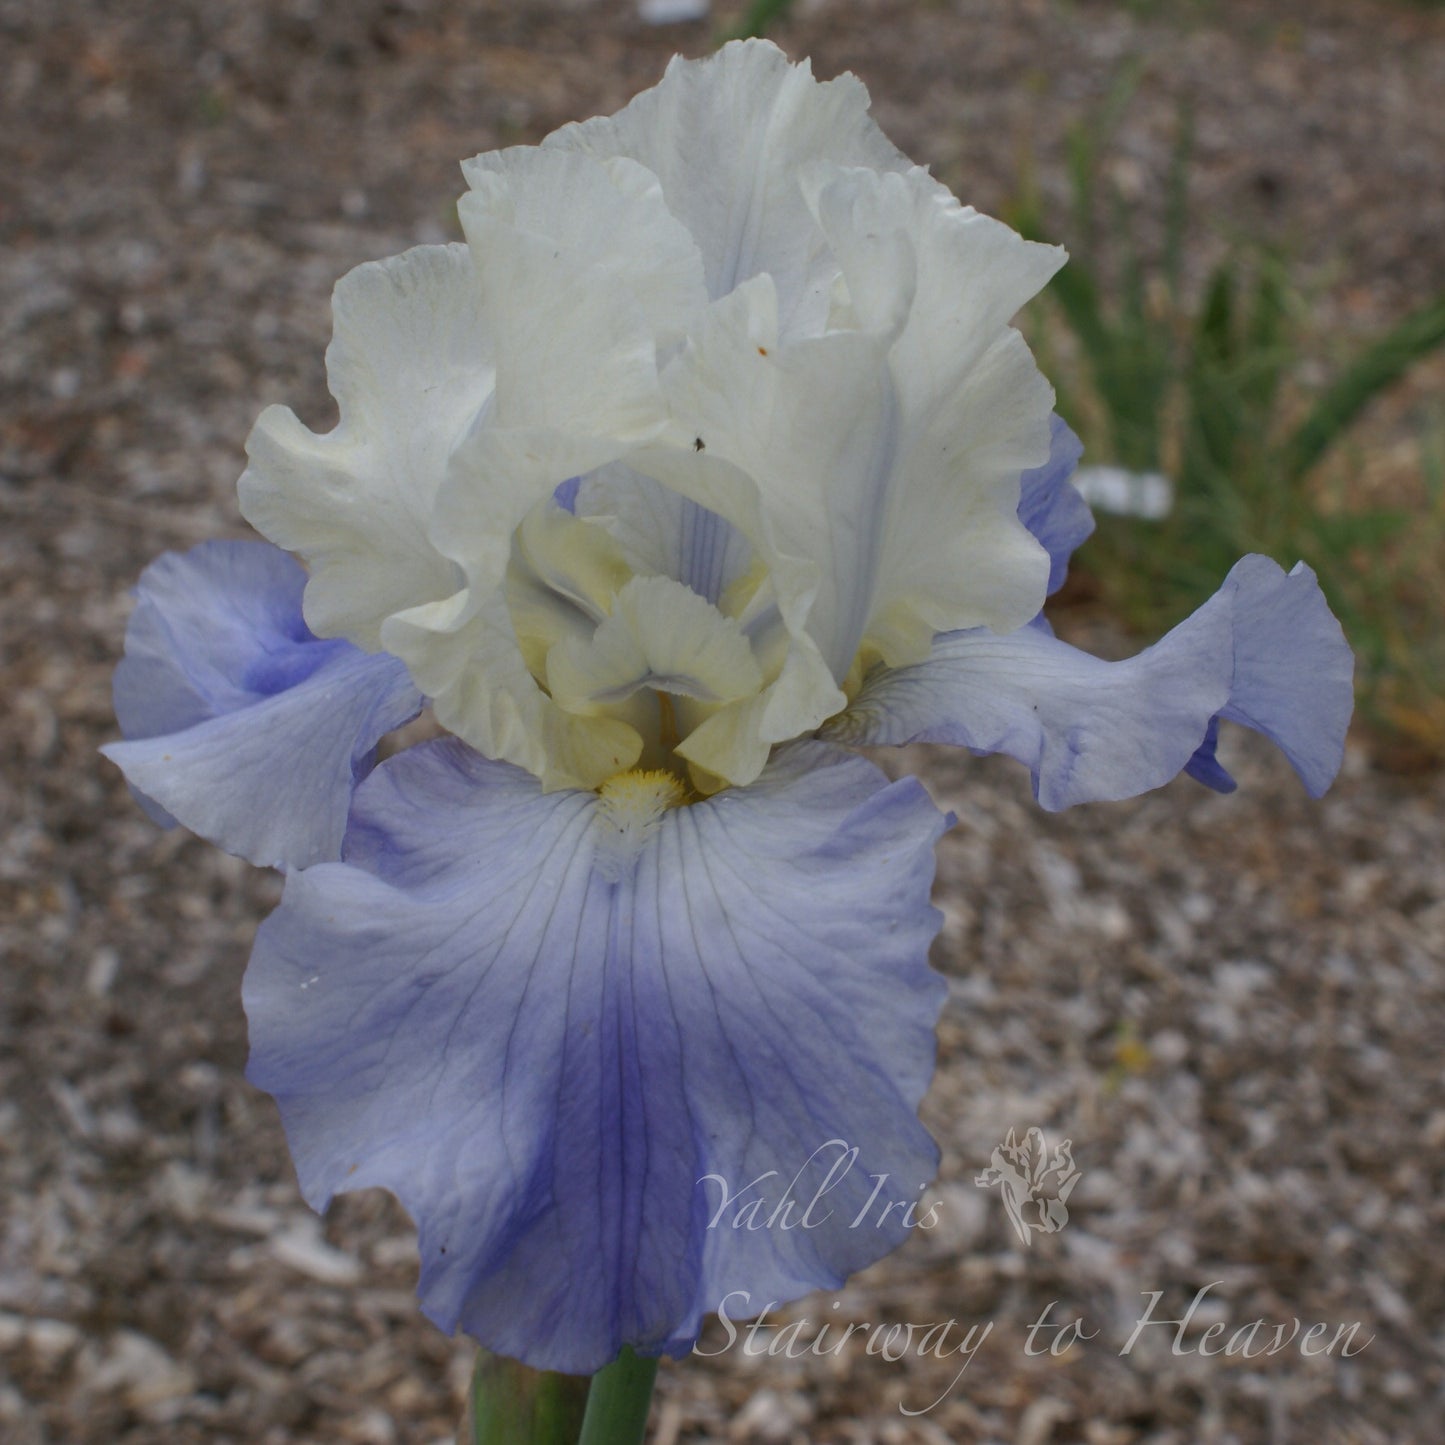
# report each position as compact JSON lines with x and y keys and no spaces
{"x":1232,"y":1006}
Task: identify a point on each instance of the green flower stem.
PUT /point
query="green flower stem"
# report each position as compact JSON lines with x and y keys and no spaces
{"x":618,"y":1402}
{"x":512,"y":1405}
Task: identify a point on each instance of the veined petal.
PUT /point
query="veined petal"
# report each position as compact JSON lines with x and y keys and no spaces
{"x":726,"y":138}
{"x":575,"y":1076}
{"x":410,"y":368}
{"x":1263,"y":651}
{"x":662,"y":533}
{"x":239,"y":723}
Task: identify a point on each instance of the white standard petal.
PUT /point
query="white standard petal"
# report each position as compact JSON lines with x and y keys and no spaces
{"x":973,"y":411}
{"x":410,"y":368}
{"x":727,"y":137}
{"x":971,"y":273}
{"x":808,"y":433}
{"x":583,"y":274}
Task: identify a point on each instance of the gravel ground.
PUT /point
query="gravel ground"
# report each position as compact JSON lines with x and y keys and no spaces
{"x":1231,"y":1006}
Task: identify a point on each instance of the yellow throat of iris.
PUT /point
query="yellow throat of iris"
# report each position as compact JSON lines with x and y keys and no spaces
{"x":661,"y":680}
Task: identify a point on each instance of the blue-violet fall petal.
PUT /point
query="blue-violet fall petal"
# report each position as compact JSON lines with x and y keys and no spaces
{"x":1264,"y":651}
{"x":239,"y":723}
{"x":606,"y":1094}
{"x":1051,"y":507}
{"x":1293,"y":675}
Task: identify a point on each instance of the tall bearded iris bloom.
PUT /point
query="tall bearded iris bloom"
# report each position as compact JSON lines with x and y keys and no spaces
{"x":708,"y":454}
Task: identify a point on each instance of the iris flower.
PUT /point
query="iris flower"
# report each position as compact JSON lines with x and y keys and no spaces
{"x":709,"y":454}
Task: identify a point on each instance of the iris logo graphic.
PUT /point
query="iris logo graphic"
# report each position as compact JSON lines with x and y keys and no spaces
{"x":1035,"y":1185}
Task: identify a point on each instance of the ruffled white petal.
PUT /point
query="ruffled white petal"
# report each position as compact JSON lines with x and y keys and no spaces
{"x":972,"y":410}
{"x":410,"y":368}
{"x":809,"y":431}
{"x":726,"y":138}
{"x":583,"y":274}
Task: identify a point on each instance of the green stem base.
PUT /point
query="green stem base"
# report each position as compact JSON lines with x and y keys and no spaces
{"x":513,"y":1405}
{"x":618,"y":1402}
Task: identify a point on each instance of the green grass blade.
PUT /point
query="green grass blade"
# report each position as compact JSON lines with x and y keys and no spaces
{"x":1176,"y":214}
{"x":1211,"y":442}
{"x":1416,"y":336}
{"x":1267,"y":350}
